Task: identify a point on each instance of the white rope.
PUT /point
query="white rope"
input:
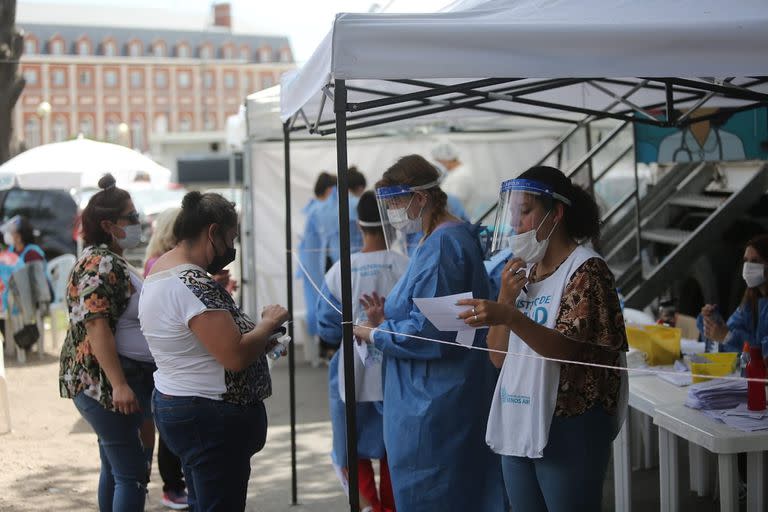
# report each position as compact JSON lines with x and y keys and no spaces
{"x":516,"y":354}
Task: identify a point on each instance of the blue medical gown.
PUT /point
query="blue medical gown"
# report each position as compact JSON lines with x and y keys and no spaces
{"x":330,"y":226}
{"x":494,"y":267}
{"x":742,"y":327}
{"x":370,"y":433}
{"x":455,"y":208}
{"x":312,"y":255}
{"x":437,"y":397}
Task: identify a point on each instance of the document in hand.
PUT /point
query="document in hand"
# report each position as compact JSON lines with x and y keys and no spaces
{"x":443,"y":313}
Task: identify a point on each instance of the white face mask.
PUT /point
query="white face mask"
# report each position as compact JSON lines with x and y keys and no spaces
{"x":8,"y":238}
{"x":132,"y":236}
{"x":398,"y":218}
{"x":753,"y":274}
{"x":526,"y":247}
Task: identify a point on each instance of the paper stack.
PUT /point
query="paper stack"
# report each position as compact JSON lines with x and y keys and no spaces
{"x":742,"y":418}
{"x":717,"y":394}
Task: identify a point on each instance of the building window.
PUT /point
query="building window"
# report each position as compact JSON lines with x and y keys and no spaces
{"x":111,"y":130}
{"x":182,"y":51}
{"x":185,"y":79}
{"x":86,"y":127}
{"x":229,"y":80}
{"x":109,"y":49}
{"x":60,"y":129}
{"x":161,"y":79}
{"x":134,"y":49}
{"x":210,"y":123}
{"x":285,"y":55}
{"x":83,"y":48}
{"x":57,"y":78}
{"x":267,"y":81}
{"x":265,"y":54}
{"x":137,"y":134}
{"x":32,"y":132}
{"x":30,"y":76}
{"x":57,"y":47}
{"x":208,"y":80}
{"x":110,"y":78}
{"x":85,"y":78}
{"x":159,"y":50}
{"x":161,"y":124}
{"x":30,"y":47}
{"x":245,"y":53}
{"x":229,"y":52}
{"x":137,"y":79}
{"x":205,"y":52}
{"x":185,"y":124}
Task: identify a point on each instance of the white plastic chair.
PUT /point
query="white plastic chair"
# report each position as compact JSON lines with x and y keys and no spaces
{"x":59,"y":269}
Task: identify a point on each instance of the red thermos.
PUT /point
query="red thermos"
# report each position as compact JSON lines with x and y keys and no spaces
{"x":756,"y":370}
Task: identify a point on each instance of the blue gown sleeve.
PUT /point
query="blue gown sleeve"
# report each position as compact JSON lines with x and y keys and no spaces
{"x":436,"y":274}
{"x":739,"y":330}
{"x":328,"y":319}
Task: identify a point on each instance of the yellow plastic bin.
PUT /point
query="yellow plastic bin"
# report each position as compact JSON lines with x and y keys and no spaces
{"x":660,"y":343}
{"x":722,"y":364}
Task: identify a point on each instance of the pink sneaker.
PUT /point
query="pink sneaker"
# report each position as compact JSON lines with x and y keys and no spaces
{"x":175,"y":500}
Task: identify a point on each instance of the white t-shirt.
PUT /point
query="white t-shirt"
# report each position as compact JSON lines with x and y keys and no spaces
{"x":184,"y":366}
{"x":129,"y":339}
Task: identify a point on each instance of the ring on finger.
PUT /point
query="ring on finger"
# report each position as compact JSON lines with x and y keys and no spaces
{"x":474,"y":318}
{"x":474,"y":312}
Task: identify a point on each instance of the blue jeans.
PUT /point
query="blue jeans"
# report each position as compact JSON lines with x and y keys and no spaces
{"x":123,"y":476}
{"x":215,"y":441}
{"x":570,"y":474}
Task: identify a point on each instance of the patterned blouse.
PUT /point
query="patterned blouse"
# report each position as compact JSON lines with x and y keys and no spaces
{"x":248,"y":386}
{"x":99,"y":287}
{"x":590,"y":312}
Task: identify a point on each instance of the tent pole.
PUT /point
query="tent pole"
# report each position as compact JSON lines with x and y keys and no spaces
{"x":289,"y":284}
{"x":340,"y":109}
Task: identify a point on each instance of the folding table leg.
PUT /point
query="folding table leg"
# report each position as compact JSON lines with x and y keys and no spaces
{"x":756,"y":477}
{"x":622,"y":477}
{"x":729,"y":482}
{"x":698,"y":461}
{"x":668,"y":474}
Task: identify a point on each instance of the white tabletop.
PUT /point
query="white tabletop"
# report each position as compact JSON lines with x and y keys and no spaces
{"x":648,"y":392}
{"x":715,"y":436}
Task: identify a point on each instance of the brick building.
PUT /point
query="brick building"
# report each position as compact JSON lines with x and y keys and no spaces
{"x":130,"y":85}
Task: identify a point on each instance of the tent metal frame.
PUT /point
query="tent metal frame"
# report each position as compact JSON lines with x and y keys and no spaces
{"x":434,"y":98}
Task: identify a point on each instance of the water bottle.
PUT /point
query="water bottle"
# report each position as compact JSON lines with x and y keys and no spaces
{"x":744,"y":359}
{"x":279,"y":348}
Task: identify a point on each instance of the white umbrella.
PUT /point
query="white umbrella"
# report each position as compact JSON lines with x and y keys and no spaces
{"x":79,"y":164}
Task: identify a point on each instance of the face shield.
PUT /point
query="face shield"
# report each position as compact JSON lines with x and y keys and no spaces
{"x":518,"y":219}
{"x":399,"y":214}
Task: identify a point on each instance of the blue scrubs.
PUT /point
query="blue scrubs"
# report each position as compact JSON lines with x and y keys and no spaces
{"x":742,"y":327}
{"x":454,"y":208}
{"x":370,"y":433}
{"x":328,"y":217}
{"x":437,"y":397}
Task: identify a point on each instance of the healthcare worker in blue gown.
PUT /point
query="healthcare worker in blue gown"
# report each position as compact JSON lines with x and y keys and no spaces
{"x":374,"y":269}
{"x":312,"y":251}
{"x":436,"y":396}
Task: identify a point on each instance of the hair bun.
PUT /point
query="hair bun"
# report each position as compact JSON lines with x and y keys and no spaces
{"x":107,"y":181}
{"x":191,"y":200}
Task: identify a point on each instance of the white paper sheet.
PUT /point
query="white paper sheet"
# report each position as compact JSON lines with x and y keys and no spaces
{"x":443,"y":313}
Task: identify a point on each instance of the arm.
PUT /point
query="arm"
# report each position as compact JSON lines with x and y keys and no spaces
{"x":328,"y":319}
{"x":221,"y":337}
{"x":102,"y":342}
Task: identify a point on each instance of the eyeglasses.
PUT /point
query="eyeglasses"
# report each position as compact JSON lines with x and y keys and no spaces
{"x":132,"y":217}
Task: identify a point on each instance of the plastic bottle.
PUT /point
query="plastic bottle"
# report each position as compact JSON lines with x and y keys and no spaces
{"x":279,"y":348}
{"x":744,"y":359}
{"x":756,"y":370}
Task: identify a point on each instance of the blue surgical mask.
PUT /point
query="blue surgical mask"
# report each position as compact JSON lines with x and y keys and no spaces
{"x":132,"y":236}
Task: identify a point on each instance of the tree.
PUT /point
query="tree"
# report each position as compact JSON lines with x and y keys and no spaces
{"x":11,"y":84}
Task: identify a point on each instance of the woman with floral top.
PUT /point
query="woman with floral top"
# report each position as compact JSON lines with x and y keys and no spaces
{"x":212,"y":374}
{"x":553,"y":422}
{"x":106,"y":365}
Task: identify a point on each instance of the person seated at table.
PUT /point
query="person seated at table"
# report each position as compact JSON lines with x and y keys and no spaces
{"x":750,"y":320}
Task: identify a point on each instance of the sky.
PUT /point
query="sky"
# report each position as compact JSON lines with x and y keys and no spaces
{"x":305,"y":22}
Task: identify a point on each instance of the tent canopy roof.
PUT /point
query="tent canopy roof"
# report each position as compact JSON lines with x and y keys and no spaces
{"x":544,"y":39}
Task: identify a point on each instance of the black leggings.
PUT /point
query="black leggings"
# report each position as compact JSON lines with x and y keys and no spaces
{"x":170,"y":468}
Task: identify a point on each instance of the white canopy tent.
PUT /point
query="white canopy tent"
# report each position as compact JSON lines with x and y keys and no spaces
{"x":377,"y":70}
{"x":79,"y":164}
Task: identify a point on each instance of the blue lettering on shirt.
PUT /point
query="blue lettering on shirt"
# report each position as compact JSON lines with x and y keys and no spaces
{"x":506,"y":398}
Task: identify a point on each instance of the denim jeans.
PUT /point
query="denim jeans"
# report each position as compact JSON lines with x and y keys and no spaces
{"x":215,"y":441}
{"x":570,"y":474}
{"x":123,"y":476}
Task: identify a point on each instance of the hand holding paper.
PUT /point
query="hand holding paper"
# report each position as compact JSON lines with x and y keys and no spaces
{"x":444,"y":312}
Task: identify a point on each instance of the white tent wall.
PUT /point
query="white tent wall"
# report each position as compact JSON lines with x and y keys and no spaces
{"x":502,"y":155}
